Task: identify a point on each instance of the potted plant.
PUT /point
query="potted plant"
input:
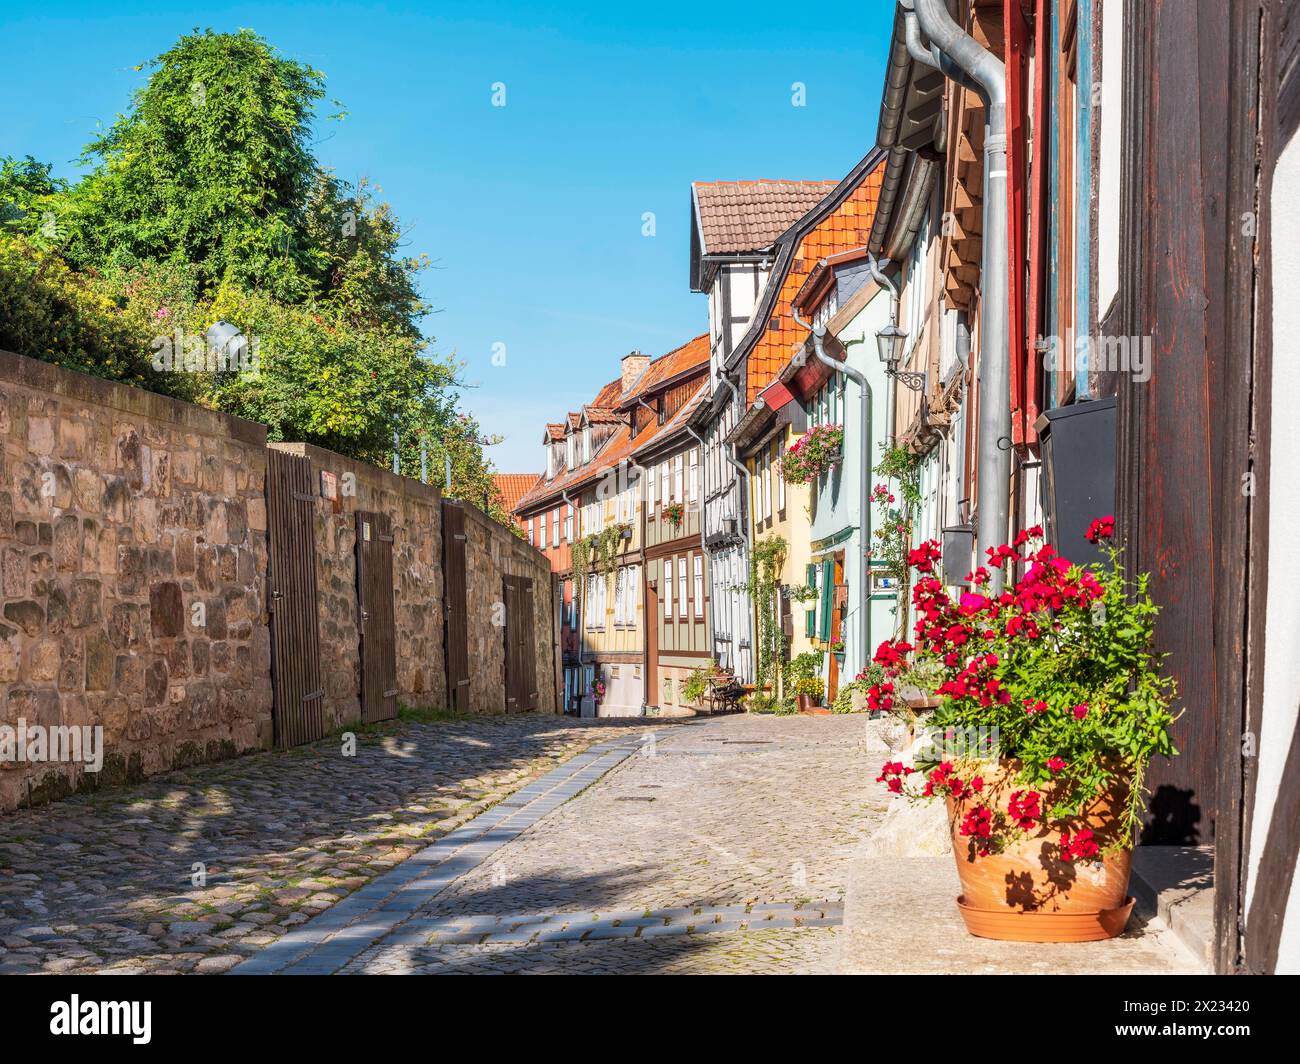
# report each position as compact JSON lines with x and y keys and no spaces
{"x":1053,"y":705}
{"x":675,"y":513}
{"x":598,"y":690}
{"x":809,"y":690}
{"x":812,"y":454}
{"x":696,"y":685}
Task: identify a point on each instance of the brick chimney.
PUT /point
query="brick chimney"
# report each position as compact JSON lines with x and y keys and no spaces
{"x":634,"y":364}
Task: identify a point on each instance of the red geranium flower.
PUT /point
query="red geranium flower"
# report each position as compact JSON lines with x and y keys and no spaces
{"x":1101,"y":528}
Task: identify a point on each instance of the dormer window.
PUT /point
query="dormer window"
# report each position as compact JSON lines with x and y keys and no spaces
{"x":586,"y":444}
{"x":573,"y":451}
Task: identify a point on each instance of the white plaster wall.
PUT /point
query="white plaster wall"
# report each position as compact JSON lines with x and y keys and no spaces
{"x":1108,"y":177}
{"x":1282,"y":636}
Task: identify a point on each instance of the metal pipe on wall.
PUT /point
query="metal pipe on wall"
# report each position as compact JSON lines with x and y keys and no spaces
{"x":989,"y":74}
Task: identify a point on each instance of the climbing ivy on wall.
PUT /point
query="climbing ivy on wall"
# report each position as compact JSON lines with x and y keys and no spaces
{"x":896,"y":510}
{"x":598,"y":552}
{"x":766,"y":561}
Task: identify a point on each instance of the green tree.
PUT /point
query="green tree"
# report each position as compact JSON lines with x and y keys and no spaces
{"x":206,"y":203}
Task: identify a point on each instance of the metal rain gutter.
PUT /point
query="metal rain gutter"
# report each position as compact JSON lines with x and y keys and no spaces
{"x":989,"y":75}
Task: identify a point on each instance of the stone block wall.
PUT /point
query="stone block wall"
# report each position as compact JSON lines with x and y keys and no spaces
{"x":492,"y":551}
{"x":132,"y":576}
{"x":416,"y":514}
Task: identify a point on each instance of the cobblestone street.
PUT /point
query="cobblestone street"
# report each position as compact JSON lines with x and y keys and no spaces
{"x":499,"y":845}
{"x":717,"y":846}
{"x":103,"y":882}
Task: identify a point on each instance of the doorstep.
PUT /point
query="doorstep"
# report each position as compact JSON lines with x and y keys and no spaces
{"x":1177,"y":883}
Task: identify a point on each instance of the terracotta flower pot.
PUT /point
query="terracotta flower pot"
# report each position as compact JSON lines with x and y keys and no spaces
{"x":1027,"y":891}
{"x":805,"y":702}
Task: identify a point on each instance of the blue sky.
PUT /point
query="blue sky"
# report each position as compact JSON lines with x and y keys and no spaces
{"x":532,"y":212}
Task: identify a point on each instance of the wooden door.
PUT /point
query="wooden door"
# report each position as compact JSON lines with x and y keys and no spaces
{"x":295,"y":628}
{"x":457,"y":631}
{"x":377,"y":621}
{"x":520,"y":650}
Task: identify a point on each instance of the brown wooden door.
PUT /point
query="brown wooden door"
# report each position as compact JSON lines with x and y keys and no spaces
{"x":377,"y":622}
{"x":457,"y":632}
{"x":295,"y":633}
{"x":521,"y":652}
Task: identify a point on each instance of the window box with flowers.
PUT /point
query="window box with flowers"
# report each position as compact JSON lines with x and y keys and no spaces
{"x":675,"y":513}
{"x":813,"y":453}
{"x":1053,"y":705}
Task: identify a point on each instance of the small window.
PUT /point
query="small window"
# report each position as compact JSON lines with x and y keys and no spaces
{"x":681,"y":587}
{"x":668,"y":589}
{"x":698,"y":562}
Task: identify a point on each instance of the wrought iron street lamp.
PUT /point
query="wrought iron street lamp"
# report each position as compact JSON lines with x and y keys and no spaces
{"x":890,"y":341}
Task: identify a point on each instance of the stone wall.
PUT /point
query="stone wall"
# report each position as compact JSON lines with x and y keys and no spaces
{"x":416,"y":514}
{"x":492,"y":552}
{"x":133,"y":575}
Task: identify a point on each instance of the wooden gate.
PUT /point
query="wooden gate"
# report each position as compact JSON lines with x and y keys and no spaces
{"x":295,"y":632}
{"x":521,"y":652}
{"x":457,"y":632}
{"x":378,"y":628}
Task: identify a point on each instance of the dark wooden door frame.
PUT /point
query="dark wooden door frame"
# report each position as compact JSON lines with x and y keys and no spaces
{"x":298,"y":710}
{"x":1184,"y":242}
{"x":456,"y":628}
{"x":376,"y":622}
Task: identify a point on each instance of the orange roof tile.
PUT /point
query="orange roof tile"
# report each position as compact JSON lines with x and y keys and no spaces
{"x":694,"y":354}
{"x":513,"y":486}
{"x":738,"y":216}
{"x":845,"y":228}
{"x":619,"y":446}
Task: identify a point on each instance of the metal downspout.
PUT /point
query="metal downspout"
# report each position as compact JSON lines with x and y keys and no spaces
{"x":742,"y":508}
{"x":704,"y":503}
{"x":578,"y":592}
{"x":988,"y":72}
{"x":864,"y":520}
{"x":881,"y":279}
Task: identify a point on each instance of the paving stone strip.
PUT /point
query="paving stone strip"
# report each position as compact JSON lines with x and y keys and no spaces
{"x":332,"y":939}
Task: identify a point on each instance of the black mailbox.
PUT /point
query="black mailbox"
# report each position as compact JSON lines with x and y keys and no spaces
{"x":958,"y":552}
{"x":1078,"y":476}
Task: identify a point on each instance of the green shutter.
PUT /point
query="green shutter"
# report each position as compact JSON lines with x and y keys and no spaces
{"x":828,"y":597}
{"x":810,"y":611}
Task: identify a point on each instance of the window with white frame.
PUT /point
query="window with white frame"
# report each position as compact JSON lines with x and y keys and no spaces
{"x":678,"y":483}
{"x":668,"y":589}
{"x":698,"y":562}
{"x":596,"y":589}
{"x":780,"y":476}
{"x":532,"y":541}
{"x":568,"y":522}
{"x":681,"y":587}
{"x":695,"y":476}
{"x":620,"y":589}
{"x":650,"y":482}
{"x":666,"y":484}
{"x":555,"y":527}
{"x":632,"y":595}
{"x":586,"y":444}
{"x":571,"y":445}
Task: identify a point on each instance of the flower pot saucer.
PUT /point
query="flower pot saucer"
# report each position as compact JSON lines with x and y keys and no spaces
{"x":1012,"y":925}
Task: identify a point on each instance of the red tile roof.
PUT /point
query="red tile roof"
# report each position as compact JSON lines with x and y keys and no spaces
{"x":602,"y":415}
{"x":739,"y":216}
{"x":694,"y":354}
{"x":513,"y":486}
{"x":845,"y":228}
{"x":555,"y":432}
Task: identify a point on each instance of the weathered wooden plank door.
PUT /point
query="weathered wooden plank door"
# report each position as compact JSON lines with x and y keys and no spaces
{"x":295,"y":627}
{"x":457,"y":631}
{"x":521,"y":653}
{"x":377,"y":621}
